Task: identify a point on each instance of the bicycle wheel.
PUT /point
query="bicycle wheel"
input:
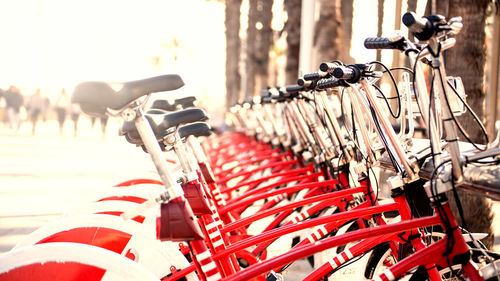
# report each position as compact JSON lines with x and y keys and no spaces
{"x":69,"y":262}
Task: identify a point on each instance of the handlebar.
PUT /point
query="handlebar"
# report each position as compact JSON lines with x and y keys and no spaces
{"x":266,"y":100}
{"x":265,"y":94}
{"x":415,"y":23}
{"x":397,"y":42}
{"x":423,"y":27}
{"x":303,"y":82}
{"x":327,"y":67}
{"x":351,"y":73}
{"x":294,"y":88}
{"x":343,"y":72}
{"x":329,"y":83}
{"x":314,"y":76}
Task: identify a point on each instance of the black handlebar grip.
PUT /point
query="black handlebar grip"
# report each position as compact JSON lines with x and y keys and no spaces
{"x":327,"y":66}
{"x":343,"y":72}
{"x":421,"y":27}
{"x":294,"y":88}
{"x":266,"y":100}
{"x":378,"y":43}
{"x":265,"y":93}
{"x":314,"y":76}
{"x":304,"y":83}
{"x":396,"y":42}
{"x":328,"y":83}
{"x":414,"y":22}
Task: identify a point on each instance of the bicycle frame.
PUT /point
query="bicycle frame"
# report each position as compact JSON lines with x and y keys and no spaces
{"x":234,"y":172}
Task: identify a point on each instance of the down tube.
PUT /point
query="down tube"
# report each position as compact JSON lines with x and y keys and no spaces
{"x":308,"y":250}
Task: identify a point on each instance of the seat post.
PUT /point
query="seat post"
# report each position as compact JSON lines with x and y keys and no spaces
{"x":174,"y":189}
{"x":197,"y":149}
{"x":182,"y":154}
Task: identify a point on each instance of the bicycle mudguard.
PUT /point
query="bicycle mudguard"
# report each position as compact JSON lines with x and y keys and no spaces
{"x":177,"y":223}
{"x":69,"y":262}
{"x":194,"y":194}
{"x":138,"y":181}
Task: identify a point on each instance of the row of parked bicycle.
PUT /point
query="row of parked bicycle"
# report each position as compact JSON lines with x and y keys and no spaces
{"x":293,"y":179}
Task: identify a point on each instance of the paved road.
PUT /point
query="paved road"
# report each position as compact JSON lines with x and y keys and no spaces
{"x":44,"y":175}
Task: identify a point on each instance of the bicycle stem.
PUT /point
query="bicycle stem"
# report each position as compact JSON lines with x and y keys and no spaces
{"x":423,"y":100}
{"x":355,"y":102}
{"x":389,"y":131}
{"x":334,"y":129}
{"x":270,"y":116}
{"x":451,"y":131}
{"x":315,"y":129}
{"x":302,"y":126}
{"x":292,"y":129}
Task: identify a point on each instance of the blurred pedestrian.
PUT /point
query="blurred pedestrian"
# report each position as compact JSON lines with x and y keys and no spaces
{"x":45,"y":108}
{"x":75,"y":115}
{"x":14,"y":100}
{"x":34,"y":108}
{"x":3,"y":116}
{"x":62,"y":106}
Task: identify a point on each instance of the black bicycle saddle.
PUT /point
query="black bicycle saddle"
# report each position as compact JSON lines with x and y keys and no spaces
{"x":95,"y":97}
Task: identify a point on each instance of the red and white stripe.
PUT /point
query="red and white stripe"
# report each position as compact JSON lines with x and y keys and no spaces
{"x":216,"y":239}
{"x":385,"y":276}
{"x":340,"y":259}
{"x":208,"y":266}
{"x":317,"y":234}
{"x":302,"y":216}
{"x":278,"y":197}
{"x":219,"y":198}
{"x":211,"y":226}
{"x":215,"y":216}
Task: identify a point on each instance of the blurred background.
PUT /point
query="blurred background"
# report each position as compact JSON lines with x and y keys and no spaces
{"x":224,"y":50}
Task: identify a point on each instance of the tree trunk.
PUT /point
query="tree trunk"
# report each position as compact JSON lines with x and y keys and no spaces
{"x":251,"y":49}
{"x":467,"y":59}
{"x":265,"y":42}
{"x":233,"y":45}
{"x":412,"y":5}
{"x":328,"y":31}
{"x":346,"y":12}
{"x":441,"y":8}
{"x":259,"y":42}
{"x":380,"y":16}
{"x":293,"y":9}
